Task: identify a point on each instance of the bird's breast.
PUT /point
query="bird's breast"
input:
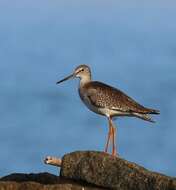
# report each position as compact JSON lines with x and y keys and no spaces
{"x":86,"y":100}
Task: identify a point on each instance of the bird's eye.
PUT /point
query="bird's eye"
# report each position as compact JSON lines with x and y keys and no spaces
{"x":82,"y":69}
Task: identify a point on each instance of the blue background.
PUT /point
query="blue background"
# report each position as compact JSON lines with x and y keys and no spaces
{"x":130,"y":45}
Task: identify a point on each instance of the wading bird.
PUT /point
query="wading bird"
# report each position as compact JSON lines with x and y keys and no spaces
{"x":107,"y":101}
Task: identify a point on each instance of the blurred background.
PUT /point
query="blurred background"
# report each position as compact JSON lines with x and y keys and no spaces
{"x":128,"y":44}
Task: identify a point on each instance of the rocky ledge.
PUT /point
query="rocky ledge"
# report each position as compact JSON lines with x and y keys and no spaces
{"x":90,"y":170}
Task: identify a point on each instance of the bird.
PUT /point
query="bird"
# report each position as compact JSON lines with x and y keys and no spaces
{"x":107,"y":101}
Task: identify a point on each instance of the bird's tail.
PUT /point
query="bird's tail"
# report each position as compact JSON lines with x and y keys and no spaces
{"x":152,"y":111}
{"x":145,"y":117}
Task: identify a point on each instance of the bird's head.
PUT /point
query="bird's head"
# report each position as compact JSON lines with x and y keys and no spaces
{"x":82,"y":71}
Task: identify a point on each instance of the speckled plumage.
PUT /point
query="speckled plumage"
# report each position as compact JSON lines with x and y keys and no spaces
{"x":108,"y":101}
{"x":102,"y":95}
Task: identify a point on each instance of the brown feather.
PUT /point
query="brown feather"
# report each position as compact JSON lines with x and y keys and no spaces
{"x":103,"y":95}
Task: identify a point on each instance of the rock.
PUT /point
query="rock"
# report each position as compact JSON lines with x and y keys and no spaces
{"x":43,"y":178}
{"x":90,"y":170}
{"x":107,"y":171}
{"x":41,"y":181}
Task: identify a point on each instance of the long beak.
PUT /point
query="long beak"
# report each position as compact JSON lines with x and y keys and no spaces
{"x":66,"y":78}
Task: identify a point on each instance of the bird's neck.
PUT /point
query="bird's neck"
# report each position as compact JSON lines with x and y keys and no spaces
{"x":84,"y":80}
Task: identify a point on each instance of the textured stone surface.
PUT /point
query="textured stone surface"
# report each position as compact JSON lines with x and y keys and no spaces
{"x":90,"y":170}
{"x":112,"y":172}
{"x":41,"y":181}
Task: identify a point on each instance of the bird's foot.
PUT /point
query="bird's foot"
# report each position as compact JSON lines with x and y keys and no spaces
{"x":115,"y":154}
{"x":112,"y":154}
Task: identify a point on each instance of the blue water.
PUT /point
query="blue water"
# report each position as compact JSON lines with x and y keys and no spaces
{"x":130,"y":45}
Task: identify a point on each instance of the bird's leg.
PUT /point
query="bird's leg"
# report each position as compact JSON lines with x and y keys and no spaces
{"x":113,"y":128}
{"x":114,"y":149}
{"x":109,"y":136}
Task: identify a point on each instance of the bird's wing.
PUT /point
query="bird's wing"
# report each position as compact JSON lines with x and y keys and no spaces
{"x":102,"y":95}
